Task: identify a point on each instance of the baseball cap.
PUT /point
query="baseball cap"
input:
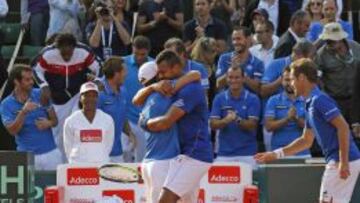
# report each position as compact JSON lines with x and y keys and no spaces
{"x":88,"y":86}
{"x":147,"y":72}
{"x":260,"y":11}
{"x":333,"y":31}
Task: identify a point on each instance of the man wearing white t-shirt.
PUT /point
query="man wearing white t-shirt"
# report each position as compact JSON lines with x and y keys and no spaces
{"x":88,"y":132}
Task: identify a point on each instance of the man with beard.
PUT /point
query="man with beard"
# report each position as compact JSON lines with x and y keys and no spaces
{"x":284,"y":116}
{"x":241,"y":57}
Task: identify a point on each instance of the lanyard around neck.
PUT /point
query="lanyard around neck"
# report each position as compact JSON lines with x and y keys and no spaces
{"x":103,"y":36}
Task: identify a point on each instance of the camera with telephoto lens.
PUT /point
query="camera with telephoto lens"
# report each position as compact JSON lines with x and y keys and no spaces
{"x":101,"y":8}
{"x":103,"y":11}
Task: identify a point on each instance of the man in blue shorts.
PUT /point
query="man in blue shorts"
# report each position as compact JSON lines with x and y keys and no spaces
{"x":324,"y":122}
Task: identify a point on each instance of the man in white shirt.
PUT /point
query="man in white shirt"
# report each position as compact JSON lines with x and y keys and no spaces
{"x":88,"y":132}
{"x":266,"y":47}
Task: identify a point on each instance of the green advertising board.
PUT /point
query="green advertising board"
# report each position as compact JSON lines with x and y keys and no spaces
{"x":17,"y":183}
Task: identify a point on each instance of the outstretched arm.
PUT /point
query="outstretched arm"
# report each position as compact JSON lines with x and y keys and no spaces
{"x":298,"y":145}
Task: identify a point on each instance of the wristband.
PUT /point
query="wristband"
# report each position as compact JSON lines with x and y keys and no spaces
{"x":143,"y":123}
{"x":279,"y":153}
{"x":238,"y":119}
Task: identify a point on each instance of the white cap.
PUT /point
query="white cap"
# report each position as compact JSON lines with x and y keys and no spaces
{"x":333,"y":31}
{"x":147,"y":72}
{"x":88,"y":86}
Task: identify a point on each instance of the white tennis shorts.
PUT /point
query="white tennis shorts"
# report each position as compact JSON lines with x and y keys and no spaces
{"x":154,"y":174}
{"x":333,"y":188}
{"x":184,"y":176}
{"x":244,"y":159}
{"x":48,"y":161}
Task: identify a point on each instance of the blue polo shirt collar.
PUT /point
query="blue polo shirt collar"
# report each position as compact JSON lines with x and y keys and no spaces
{"x":108,"y":89}
{"x":243,"y":95}
{"x":314,"y":92}
{"x":133,"y":61}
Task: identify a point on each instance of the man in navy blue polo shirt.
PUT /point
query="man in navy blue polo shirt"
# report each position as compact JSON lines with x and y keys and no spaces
{"x":188,"y":109}
{"x":204,"y":25}
{"x":160,"y":20}
{"x":252,"y":67}
{"x":28,"y":121}
{"x":113,"y":101}
{"x":178,"y":46}
{"x":324,"y":122}
{"x":284,"y":116}
{"x":140,"y":49}
{"x":235,"y":112}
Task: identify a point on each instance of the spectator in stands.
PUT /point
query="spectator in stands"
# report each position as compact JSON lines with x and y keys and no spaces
{"x":160,"y":20}
{"x":271,"y":81}
{"x":329,"y":10}
{"x":258,"y":16}
{"x":108,"y":36}
{"x":237,"y":18}
{"x":338,"y":61}
{"x":235,"y":113}
{"x":120,"y":12}
{"x":113,"y":101}
{"x":314,"y":8}
{"x":241,"y":57}
{"x":355,"y":106}
{"x":60,"y":70}
{"x":4,"y":8}
{"x":267,"y":43}
{"x":140,"y":51}
{"x":205,"y":52}
{"x":284,"y":116}
{"x":35,"y":16}
{"x":204,"y":25}
{"x":339,"y":4}
{"x":88,"y":132}
{"x":222,"y":10}
{"x":30,"y":122}
{"x":279,"y":12}
{"x":64,"y":18}
{"x":299,"y":26}
{"x":178,"y":46}
{"x":272,"y":8}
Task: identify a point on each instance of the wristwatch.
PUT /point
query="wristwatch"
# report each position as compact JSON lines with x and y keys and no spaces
{"x":238,"y":120}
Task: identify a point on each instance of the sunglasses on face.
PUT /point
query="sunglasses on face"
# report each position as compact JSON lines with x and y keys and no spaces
{"x":315,"y":3}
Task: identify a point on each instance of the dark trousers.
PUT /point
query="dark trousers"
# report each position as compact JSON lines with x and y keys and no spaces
{"x":39,"y":23}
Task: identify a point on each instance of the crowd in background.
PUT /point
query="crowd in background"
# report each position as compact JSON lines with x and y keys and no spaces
{"x":107,"y":41}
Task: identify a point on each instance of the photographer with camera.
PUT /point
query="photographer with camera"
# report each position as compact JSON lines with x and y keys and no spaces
{"x":107,"y":35}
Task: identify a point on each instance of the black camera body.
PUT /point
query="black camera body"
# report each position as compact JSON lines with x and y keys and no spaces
{"x":103,"y":11}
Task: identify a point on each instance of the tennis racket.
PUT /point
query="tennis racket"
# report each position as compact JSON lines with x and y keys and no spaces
{"x":119,"y":173}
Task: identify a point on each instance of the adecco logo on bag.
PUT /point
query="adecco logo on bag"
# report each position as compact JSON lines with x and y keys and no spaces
{"x":201,"y":197}
{"x":128,"y":196}
{"x":224,"y":175}
{"x":82,"y":176}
